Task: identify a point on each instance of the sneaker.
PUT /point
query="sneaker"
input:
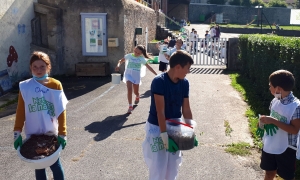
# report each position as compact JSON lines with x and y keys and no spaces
{"x":130,"y":109}
{"x":137,"y":100}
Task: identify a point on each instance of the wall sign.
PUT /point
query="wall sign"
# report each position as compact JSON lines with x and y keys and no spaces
{"x":94,"y":39}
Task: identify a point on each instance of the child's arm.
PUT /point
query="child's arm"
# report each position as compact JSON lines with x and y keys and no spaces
{"x":150,"y":68}
{"x":119,"y":63}
{"x":20,"y":114}
{"x":186,"y":110}
{"x":160,"y":109}
{"x":292,"y":128}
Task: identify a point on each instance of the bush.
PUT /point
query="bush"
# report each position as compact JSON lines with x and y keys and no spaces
{"x":260,"y":55}
{"x":277,"y":3}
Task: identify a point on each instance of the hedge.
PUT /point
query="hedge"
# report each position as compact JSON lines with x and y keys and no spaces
{"x":260,"y":55}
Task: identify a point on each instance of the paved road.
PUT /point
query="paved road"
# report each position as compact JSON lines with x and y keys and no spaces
{"x":105,"y":143}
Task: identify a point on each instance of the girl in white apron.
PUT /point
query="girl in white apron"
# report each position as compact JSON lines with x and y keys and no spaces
{"x":135,"y":69}
{"x":41,"y":109}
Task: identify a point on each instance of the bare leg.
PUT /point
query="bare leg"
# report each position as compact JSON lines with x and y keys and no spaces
{"x":136,"y":90}
{"x":129,"y":92}
{"x":270,"y":175}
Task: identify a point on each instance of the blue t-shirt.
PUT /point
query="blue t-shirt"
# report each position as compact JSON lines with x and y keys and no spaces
{"x":173,"y":93}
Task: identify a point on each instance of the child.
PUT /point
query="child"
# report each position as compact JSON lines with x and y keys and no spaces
{"x":178,"y":46}
{"x":134,"y":72}
{"x":196,"y":36}
{"x":42,"y":108}
{"x":282,"y":127}
{"x":169,"y":95}
{"x":163,"y":61}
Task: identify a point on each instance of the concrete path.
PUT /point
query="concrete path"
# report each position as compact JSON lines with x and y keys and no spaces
{"x":105,"y":143}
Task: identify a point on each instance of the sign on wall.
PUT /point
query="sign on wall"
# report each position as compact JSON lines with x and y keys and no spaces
{"x":94,"y":40}
{"x":295,"y":16}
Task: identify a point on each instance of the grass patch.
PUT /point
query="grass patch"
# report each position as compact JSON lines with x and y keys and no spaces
{"x":2,"y":107}
{"x":228,"y":129}
{"x":241,"y":149}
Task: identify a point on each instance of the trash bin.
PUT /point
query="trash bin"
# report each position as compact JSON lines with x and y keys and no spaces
{"x":202,"y":18}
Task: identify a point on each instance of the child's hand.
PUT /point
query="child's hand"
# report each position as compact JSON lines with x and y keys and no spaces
{"x":266,"y":119}
{"x":117,"y":69}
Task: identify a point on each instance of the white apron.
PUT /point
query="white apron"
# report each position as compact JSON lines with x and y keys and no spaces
{"x":42,"y":107}
{"x":134,"y":76}
{"x":161,"y":163}
{"x":278,"y":143}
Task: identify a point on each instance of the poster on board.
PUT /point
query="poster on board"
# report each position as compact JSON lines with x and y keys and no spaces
{"x":295,"y":16}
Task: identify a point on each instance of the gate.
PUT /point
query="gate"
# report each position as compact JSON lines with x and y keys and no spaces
{"x":208,"y":51}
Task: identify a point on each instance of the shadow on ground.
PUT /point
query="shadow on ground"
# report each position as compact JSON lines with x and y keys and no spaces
{"x":103,"y":129}
{"x":77,"y":86}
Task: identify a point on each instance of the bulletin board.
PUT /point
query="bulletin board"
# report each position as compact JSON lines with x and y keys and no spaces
{"x":94,"y":39}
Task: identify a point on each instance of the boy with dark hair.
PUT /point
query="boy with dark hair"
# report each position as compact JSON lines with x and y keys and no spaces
{"x":169,"y":99}
{"x":282,"y":127}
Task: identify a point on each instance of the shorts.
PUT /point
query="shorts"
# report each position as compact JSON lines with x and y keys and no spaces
{"x":162,"y":66}
{"x":284,"y":163}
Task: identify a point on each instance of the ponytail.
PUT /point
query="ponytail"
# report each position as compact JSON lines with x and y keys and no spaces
{"x":144,"y":51}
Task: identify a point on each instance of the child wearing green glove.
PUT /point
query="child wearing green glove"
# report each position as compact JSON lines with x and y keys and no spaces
{"x":169,"y":99}
{"x":41,"y":109}
{"x":282,"y":126}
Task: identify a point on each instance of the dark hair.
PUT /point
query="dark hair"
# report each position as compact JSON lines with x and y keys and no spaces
{"x":144,"y":51}
{"x":39,"y":55}
{"x":180,"y":57}
{"x":283,"y":79}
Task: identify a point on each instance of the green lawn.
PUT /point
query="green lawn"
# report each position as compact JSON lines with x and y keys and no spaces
{"x":264,"y":26}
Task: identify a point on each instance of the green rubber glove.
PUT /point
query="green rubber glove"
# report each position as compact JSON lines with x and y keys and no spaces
{"x":271,"y":129}
{"x":172,"y":146}
{"x":260,"y":132}
{"x":17,"y":139}
{"x":196,"y":141}
{"x":62,"y":140}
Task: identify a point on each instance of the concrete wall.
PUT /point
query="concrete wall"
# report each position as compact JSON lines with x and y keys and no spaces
{"x":15,"y":37}
{"x":123,"y":16}
{"x":240,"y":14}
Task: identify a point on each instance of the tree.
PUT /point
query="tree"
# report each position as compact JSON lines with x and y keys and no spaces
{"x":277,"y":3}
{"x":216,"y":2}
{"x":297,"y":4}
{"x":258,"y":3}
{"x":235,"y":2}
{"x":246,"y":3}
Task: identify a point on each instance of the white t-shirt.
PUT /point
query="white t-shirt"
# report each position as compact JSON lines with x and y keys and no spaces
{"x":196,"y":36}
{"x":191,"y":36}
{"x":170,"y":52}
{"x":212,"y":32}
{"x":134,"y":63}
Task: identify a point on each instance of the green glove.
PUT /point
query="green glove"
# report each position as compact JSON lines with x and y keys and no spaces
{"x":260,"y":132}
{"x":62,"y":140}
{"x":270,"y":129}
{"x":17,"y":139}
{"x":196,"y":141}
{"x":172,"y":146}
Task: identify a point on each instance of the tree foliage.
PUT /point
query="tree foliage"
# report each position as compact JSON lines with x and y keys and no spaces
{"x":216,"y":2}
{"x":235,"y":2}
{"x":246,"y":2}
{"x":277,"y":3}
{"x":258,"y":3}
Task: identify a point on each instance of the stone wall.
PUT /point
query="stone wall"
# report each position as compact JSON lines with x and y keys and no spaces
{"x":240,"y":14}
{"x":123,"y":16}
{"x":15,"y":37}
